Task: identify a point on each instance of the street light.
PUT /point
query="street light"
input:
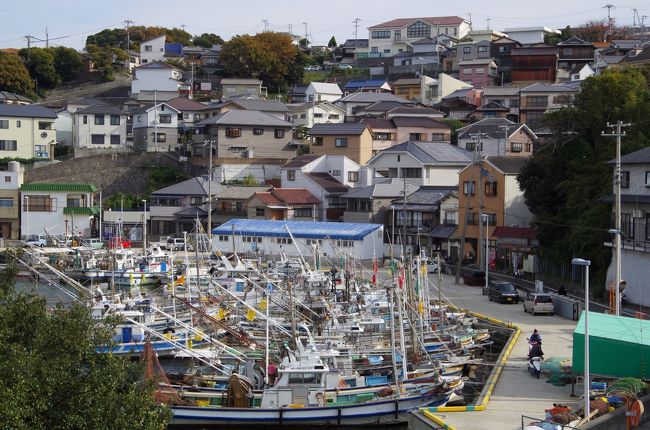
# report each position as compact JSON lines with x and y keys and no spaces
{"x":617,"y":281}
{"x":586,"y":264}
{"x":144,"y":227}
{"x":486,"y":219}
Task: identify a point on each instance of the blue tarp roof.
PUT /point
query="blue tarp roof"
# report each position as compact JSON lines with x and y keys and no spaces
{"x":365,"y":83}
{"x":302,"y":229}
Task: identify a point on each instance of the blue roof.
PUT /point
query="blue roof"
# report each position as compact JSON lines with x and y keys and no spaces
{"x":365,"y":83}
{"x":302,"y":229}
{"x":174,"y":48}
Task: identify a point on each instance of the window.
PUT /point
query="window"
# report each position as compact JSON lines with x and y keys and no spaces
{"x":148,"y":48}
{"x":303,"y":115}
{"x":318,"y":115}
{"x":534,"y":118}
{"x":353,"y":176}
{"x":333,"y":116}
{"x":45,"y":125}
{"x":374,"y":50}
{"x":291,"y":175}
{"x":99,"y":119}
{"x":6,"y":202}
{"x":336,"y":173}
{"x":647,"y":178}
{"x":318,"y":141}
{"x":251,"y":239}
{"x":419,"y":29}
{"x":302,"y":213}
{"x":259,"y":211}
{"x":4,"y":123}
{"x":381,"y":34}
{"x":345,"y":243}
{"x":223,"y":238}
{"x":115,"y":120}
{"x":467,"y":49}
{"x":567,"y":51}
{"x":437,"y":137}
{"x":39,"y":204}
{"x":233,"y":132}
{"x":472,"y":218}
{"x":627,"y":226}
{"x":165,"y":119}
{"x":514,"y":103}
{"x":479,"y":70}
{"x":115,"y":139}
{"x":196,"y":200}
{"x":467,"y":71}
{"x":341,"y":142}
{"x":8,"y":145}
{"x":490,"y":189}
{"x":529,"y":147}
{"x":7,"y":178}
{"x":383,"y":136}
{"x":503,"y":49}
{"x":398,"y":34}
{"x":482,"y":49}
{"x":536,"y":101}
{"x":450,"y":217}
{"x":314,"y":241}
{"x":386,"y":51}
{"x":85,"y":119}
{"x":73,"y":202}
{"x":625,"y":179}
{"x":237,"y":149}
{"x":258,"y":131}
{"x":284,"y":240}
{"x":162,"y":137}
{"x":18,"y":124}
{"x":278,"y":133}
{"x":414,"y":136}
{"x":468,"y":188}
{"x":97,"y":139}
{"x":411,"y":172}
{"x":516,"y":147}
{"x":40,"y":148}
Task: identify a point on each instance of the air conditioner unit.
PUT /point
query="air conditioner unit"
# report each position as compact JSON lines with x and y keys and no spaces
{"x":637,"y":213}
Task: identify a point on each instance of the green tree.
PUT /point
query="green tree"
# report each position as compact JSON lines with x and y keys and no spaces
{"x":206,"y":40}
{"x":454,"y":125}
{"x":332,"y":43}
{"x":40,"y":64}
{"x":51,"y":376}
{"x":115,"y":38}
{"x":14,"y":76}
{"x":106,"y":59}
{"x":67,"y":62}
{"x":121,"y":200}
{"x":177,"y":35}
{"x":563,"y":183}
{"x":554,"y":39}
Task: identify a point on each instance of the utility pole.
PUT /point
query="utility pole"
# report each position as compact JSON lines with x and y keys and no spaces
{"x":356,"y":36}
{"x":306,"y":40}
{"x":618,"y":133}
{"x":610,"y":20}
{"x":266,"y":25}
{"x":47,"y":38}
{"x":488,"y":23}
{"x":479,"y":162}
{"x":128,"y":35}
{"x":183,"y":27}
{"x":506,"y":129}
{"x":29,"y":43}
{"x":210,"y":143}
{"x":290,"y":29}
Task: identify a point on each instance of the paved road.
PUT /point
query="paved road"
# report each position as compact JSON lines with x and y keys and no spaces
{"x":517,"y":393}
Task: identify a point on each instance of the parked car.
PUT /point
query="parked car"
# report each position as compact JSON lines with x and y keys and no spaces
{"x":344,"y":67}
{"x":36,"y":240}
{"x":502,"y":292}
{"x":539,"y":303}
{"x":473,"y":277}
{"x":92,"y":243}
{"x":62,"y":240}
{"x":312,"y":68}
{"x":178,"y":244}
{"x":432,"y":267}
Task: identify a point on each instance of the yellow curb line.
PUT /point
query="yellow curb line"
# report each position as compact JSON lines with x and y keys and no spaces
{"x":428,"y":412}
{"x":436,"y":419}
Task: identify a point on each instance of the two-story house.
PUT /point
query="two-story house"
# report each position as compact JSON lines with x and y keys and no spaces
{"x":408,"y":88}
{"x":156,"y":81}
{"x":354,"y":140}
{"x":323,"y":91}
{"x":99,"y":126}
{"x":152,"y":50}
{"x":506,"y":96}
{"x":190,"y":113}
{"x":500,"y":50}
{"x":326,"y":177}
{"x":534,"y":64}
{"x":57,"y":208}
{"x":443,"y":237}
{"x":573,"y":52}
{"x":246,"y":134}
{"x":356,"y":102}
{"x":27,"y":131}
{"x":284,"y":204}
{"x":390,"y":132}
{"x":424,"y":57}
{"x":434,"y":90}
{"x":492,"y":183}
{"x":497,"y":136}
{"x":473,"y":50}
{"x":310,"y":113}
{"x":479,"y":72}
{"x":155,"y":128}
{"x":392,"y":37}
{"x":539,"y":98}
{"x":10,"y":200}
{"x":231,"y":202}
{"x":273,"y":108}
{"x":422,"y":163}
{"x":635,"y":225}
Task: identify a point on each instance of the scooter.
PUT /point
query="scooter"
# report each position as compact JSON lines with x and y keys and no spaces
{"x":535,"y":357}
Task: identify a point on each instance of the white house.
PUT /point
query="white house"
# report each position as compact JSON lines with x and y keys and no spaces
{"x":99,"y":127}
{"x":323,"y":91}
{"x":271,"y":238}
{"x":581,"y":72}
{"x":156,"y":81}
{"x":10,"y":200}
{"x":152,"y":50}
{"x":57,"y":209}
{"x":498,"y":136}
{"x":423,"y":163}
{"x":155,"y":128}
{"x":530,"y":35}
{"x":309,"y":113}
{"x":26,"y":131}
{"x":433,"y":90}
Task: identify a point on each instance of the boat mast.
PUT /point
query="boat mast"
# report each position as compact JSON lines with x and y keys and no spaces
{"x":391,"y":308}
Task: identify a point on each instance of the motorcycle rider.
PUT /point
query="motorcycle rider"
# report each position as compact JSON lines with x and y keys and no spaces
{"x":535,"y":338}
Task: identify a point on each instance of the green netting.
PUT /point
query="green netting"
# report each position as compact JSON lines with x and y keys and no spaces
{"x":558,"y":370}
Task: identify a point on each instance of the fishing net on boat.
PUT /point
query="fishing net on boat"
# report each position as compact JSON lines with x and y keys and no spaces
{"x":558,"y":370}
{"x":153,"y":371}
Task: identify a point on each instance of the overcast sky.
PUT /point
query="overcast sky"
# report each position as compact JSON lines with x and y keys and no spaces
{"x":69,"y":22}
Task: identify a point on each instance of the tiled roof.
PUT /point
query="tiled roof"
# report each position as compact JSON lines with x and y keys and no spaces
{"x":349,"y":128}
{"x":367,"y":83}
{"x":327,"y":182}
{"x":245,"y":117}
{"x":642,"y":156}
{"x":384,"y":106}
{"x":295,"y":196}
{"x":184,"y":105}
{"x":427,"y":195}
{"x":267,"y":198}
{"x":414,"y":111}
{"x":501,"y":91}
{"x":301,"y":160}
{"x":191,"y":212}
{"x":87,"y":101}
{"x":378,"y":123}
{"x":410,"y":121}
{"x":6,"y":95}
{"x":388,"y":189}
{"x":366,"y":97}
{"x":566,"y":87}
{"x":433,"y":20}
{"x":26,"y":111}
{"x":515,"y":232}
{"x":443,"y":231}
{"x":494,"y":128}
{"x":508,"y":165}
{"x":407,"y":81}
{"x":433,"y":153}
{"x":56,"y":187}
{"x":261,"y":105}
{"x":190,"y":187}
{"x":101,"y":110}
{"x":241,"y":192}
{"x":493,"y":106}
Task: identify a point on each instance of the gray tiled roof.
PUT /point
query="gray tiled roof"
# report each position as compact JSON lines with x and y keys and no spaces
{"x":552,"y":88}
{"x":245,"y":117}
{"x":508,"y":165}
{"x":363,"y":97}
{"x":492,"y":127}
{"x":101,"y":110}
{"x":388,"y":189}
{"x":328,"y":182}
{"x":347,"y":128}
{"x":87,"y":101}
{"x":434,"y":153}
{"x":26,"y":111}
{"x":241,"y":192}
{"x":426,"y":195}
{"x":262,"y":105}
{"x":385,"y":106}
{"x":301,"y":160}
{"x":414,"y":111}
{"x":410,"y":121}
{"x":190,"y":187}
{"x":6,"y":95}
{"x":642,"y":156}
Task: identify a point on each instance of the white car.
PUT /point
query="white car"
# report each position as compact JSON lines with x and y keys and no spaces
{"x":539,"y":303}
{"x":36,"y":240}
{"x":344,"y":67}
